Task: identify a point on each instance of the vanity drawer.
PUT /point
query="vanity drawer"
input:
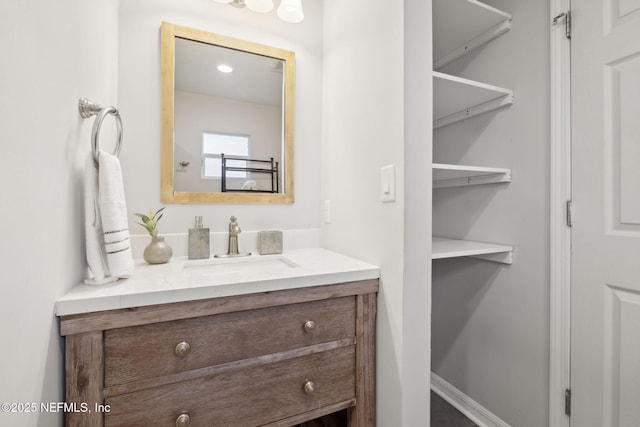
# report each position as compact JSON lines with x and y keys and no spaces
{"x":247,"y":397}
{"x":148,"y":351}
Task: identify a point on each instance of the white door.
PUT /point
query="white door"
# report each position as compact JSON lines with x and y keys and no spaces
{"x":605,"y":289}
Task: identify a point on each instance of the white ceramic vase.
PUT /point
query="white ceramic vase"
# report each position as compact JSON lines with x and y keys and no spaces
{"x":158,"y":251}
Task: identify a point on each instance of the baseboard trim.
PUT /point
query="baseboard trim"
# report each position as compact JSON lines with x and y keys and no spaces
{"x":463,"y":403}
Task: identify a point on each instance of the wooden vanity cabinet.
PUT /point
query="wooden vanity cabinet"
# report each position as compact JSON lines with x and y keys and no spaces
{"x":267,"y":359}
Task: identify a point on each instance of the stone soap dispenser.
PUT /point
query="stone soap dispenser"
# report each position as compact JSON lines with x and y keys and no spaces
{"x":199,"y":241}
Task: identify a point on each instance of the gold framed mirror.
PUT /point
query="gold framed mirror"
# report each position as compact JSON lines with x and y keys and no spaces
{"x":227,"y":133}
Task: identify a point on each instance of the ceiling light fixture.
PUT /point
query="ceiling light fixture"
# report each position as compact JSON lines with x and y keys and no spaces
{"x":289,"y":10}
{"x":261,"y":6}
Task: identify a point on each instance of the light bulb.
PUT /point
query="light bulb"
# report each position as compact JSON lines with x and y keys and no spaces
{"x":291,"y":11}
{"x":259,"y":5}
{"x":224,"y":68}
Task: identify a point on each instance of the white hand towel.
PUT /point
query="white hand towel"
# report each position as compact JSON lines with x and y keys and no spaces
{"x":96,"y":257}
{"x":107,"y":234}
{"x":113,"y":215}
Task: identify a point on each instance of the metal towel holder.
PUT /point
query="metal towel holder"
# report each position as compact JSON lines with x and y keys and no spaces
{"x":88,"y":109}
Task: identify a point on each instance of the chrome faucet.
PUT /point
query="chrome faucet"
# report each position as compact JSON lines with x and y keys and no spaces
{"x":234,"y":230}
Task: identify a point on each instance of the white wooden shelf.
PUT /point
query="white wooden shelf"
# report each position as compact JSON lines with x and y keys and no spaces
{"x":443,"y":248}
{"x":456,"y":99}
{"x":459,"y":26}
{"x":457,"y":175}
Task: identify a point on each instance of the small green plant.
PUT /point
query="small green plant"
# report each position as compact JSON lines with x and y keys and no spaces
{"x":150,"y":221}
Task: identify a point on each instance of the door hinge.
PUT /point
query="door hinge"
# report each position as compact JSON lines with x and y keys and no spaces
{"x":567,"y":402}
{"x":569,"y":213}
{"x":567,"y":22}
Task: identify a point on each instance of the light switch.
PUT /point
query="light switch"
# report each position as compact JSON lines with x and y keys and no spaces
{"x":388,"y":183}
{"x":327,"y":211}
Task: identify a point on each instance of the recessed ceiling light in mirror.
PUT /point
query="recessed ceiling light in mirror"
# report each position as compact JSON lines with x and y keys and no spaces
{"x":224,"y":68}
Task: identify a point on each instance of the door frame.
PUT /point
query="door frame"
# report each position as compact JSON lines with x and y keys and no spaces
{"x":560,"y":230}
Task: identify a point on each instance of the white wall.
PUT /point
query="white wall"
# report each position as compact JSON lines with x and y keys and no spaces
{"x":70,"y":49}
{"x":491,"y":321}
{"x":53,"y":54}
{"x":196,"y":112}
{"x":363,"y":130}
{"x":140,"y":100}
{"x":418,"y":136}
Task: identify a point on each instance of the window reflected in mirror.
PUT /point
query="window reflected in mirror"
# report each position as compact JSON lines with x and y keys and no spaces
{"x":215,"y":145}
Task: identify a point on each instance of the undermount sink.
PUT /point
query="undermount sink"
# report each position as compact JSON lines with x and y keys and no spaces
{"x":253,"y":264}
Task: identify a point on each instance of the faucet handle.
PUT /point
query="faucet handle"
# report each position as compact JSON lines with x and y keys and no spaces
{"x":234,"y":228}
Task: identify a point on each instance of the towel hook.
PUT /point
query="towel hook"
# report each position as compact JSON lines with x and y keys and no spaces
{"x":88,"y":109}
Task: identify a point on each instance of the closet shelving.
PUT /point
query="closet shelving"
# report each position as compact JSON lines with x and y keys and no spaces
{"x":464,"y":25}
{"x":460,"y":26}
{"x":453,"y":248}
{"x":456,"y":99}
{"x":457,"y":175}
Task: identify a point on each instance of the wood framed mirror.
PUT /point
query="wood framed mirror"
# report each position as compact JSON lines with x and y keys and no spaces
{"x":227,"y":119}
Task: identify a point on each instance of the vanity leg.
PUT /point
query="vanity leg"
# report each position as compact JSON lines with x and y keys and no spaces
{"x":84,"y":366}
{"x":364,"y":413}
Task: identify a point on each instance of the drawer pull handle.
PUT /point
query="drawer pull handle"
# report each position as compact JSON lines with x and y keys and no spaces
{"x":309,"y":387}
{"x":183,"y":420}
{"x":309,"y":326}
{"x":182,"y":349}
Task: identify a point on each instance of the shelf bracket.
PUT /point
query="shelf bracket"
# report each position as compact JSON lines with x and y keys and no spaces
{"x":473,"y":180}
{"x":475,"y":43}
{"x":501,"y":257}
{"x":495,"y":104}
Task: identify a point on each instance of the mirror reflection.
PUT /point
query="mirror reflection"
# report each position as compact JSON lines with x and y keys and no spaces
{"x":227,"y":125}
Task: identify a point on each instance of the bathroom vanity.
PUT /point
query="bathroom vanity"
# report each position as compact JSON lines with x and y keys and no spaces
{"x":271,"y":340}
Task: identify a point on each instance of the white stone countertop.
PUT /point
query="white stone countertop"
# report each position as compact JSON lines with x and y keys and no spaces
{"x":186,"y":280}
